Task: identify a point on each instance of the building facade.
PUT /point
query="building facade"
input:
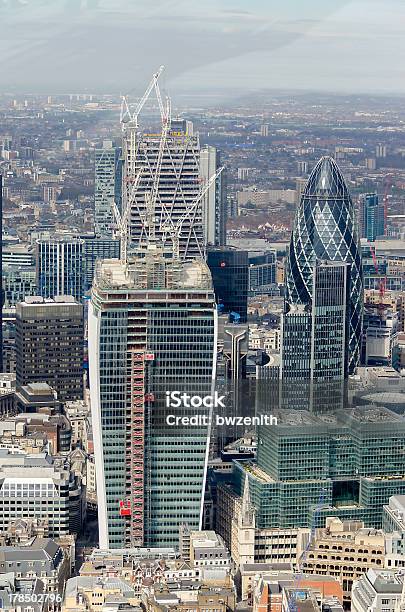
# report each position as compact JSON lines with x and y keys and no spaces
{"x":152,"y":325}
{"x":60,"y":267}
{"x":170,"y":178}
{"x":214,"y":203}
{"x":49,"y":345}
{"x":372,"y":217}
{"x":325,"y":228}
{"x":105,"y":160}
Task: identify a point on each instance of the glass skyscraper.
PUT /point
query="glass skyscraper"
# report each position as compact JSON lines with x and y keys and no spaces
{"x":152,"y":326}
{"x":372,"y":217}
{"x":325,"y":229}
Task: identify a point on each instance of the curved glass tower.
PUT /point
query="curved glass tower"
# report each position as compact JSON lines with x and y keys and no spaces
{"x":325,"y":229}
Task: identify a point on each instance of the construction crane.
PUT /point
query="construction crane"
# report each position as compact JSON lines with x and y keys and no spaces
{"x":132,"y":117}
{"x":121,"y":220}
{"x":174,"y":229}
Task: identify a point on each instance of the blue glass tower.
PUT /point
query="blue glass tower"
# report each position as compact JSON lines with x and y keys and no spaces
{"x":325,"y":229}
{"x":372,"y":217}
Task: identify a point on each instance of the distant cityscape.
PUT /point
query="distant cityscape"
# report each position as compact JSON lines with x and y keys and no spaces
{"x":203,"y":353}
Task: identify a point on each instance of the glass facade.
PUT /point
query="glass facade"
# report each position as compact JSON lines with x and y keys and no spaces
{"x":230,"y":275}
{"x":372,"y":217}
{"x":152,"y":329}
{"x":60,"y":267}
{"x":325,"y":229}
{"x":345,"y":464}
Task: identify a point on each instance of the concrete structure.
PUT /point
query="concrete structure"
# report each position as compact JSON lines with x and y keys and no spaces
{"x":49,"y":344}
{"x":344,"y":550}
{"x":37,"y":487}
{"x":378,"y":591}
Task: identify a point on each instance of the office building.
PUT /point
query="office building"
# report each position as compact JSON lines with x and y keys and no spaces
{"x":262,"y":272}
{"x":97,"y":248}
{"x":37,"y":487}
{"x":170,"y":182}
{"x":214,"y":203}
{"x":311,"y":467}
{"x":379,"y":590}
{"x":152,"y":326}
{"x":372,"y":217}
{"x":380,"y":336}
{"x":18,"y":282}
{"x":60,"y":267}
{"x":49,"y":345}
{"x":344,"y":541}
{"x":325,"y":229}
{"x":230,"y":274}
{"x":106,"y":161}
{"x":314,"y":343}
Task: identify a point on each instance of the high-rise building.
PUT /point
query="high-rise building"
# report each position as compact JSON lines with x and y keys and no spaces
{"x":169,"y":177}
{"x":325,"y":229}
{"x":152,"y":326}
{"x":97,"y":248}
{"x":106,"y":161}
{"x":49,"y":344}
{"x":372,"y":217}
{"x":60,"y":267}
{"x":262,"y":272}
{"x":314,"y":343}
{"x":230,"y":275}
{"x":214,"y":203}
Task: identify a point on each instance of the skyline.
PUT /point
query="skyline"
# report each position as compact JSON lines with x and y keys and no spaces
{"x":100,"y":46}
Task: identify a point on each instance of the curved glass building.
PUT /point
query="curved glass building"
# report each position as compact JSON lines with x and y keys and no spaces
{"x":325,"y":229}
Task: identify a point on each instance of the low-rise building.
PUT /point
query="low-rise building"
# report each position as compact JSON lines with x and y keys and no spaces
{"x":39,"y":487}
{"x":378,"y":591}
{"x":344,"y":550}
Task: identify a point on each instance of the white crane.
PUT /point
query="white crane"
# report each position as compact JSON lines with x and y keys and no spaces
{"x":174,"y":229}
{"x":132,"y":117}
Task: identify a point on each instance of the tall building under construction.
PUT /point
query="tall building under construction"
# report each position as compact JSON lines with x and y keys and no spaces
{"x":152,"y":325}
{"x":163,"y":169}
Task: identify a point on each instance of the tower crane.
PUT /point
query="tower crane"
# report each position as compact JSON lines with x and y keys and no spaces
{"x":127,"y":116}
{"x":174,"y":229}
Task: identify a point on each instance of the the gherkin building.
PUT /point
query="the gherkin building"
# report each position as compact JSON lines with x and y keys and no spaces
{"x":325,"y":228}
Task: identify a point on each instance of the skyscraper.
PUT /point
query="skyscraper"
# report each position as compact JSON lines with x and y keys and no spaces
{"x":49,"y":344}
{"x":152,"y":325}
{"x":314,"y":343}
{"x":325,"y":229}
{"x":214,"y":203}
{"x":60,"y":267}
{"x":230,"y":275}
{"x":372,"y":217}
{"x":170,"y":178}
{"x":105,"y":189}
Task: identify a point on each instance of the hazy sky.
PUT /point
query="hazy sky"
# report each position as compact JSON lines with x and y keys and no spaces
{"x":206,"y":45}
